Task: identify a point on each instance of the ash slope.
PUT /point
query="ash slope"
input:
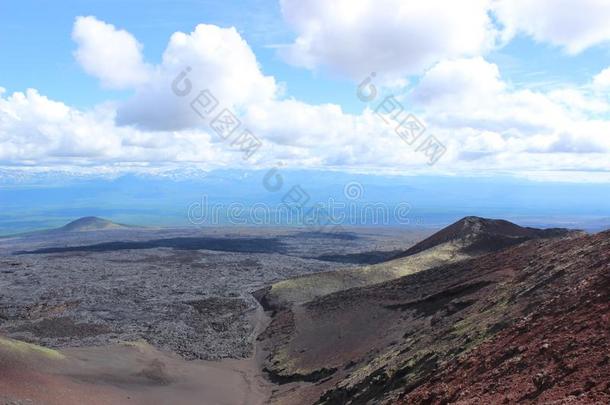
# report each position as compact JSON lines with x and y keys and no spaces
{"x":387,"y":342}
{"x":558,"y":353}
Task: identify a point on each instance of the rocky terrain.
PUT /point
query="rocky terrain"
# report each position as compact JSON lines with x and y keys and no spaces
{"x":186,"y":291}
{"x":481,"y":312}
{"x":559,"y":353}
{"x":520,"y":324}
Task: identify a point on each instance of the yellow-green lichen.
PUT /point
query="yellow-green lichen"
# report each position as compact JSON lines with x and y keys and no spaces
{"x":22,"y":348}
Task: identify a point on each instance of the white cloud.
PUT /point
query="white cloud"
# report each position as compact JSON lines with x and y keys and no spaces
{"x":32,"y":128}
{"x":394,"y":38}
{"x":219,"y":60}
{"x":113,"y":56}
{"x":574,"y":25}
{"x":37,"y":130}
{"x":495,"y":125}
{"x":486,"y":124}
{"x":461,"y":81}
{"x":601,"y":81}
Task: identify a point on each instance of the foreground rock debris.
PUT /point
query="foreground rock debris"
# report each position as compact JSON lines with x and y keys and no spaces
{"x":482,"y":312}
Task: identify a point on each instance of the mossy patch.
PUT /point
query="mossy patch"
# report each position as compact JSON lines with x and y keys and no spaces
{"x":22,"y":348}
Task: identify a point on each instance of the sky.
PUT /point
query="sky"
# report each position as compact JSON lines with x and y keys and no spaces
{"x":400,"y":87}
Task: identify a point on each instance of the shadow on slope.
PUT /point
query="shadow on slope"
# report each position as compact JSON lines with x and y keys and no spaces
{"x":238,"y":245}
{"x":370,"y":257}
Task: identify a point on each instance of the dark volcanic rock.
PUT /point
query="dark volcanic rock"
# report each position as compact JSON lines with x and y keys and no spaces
{"x":482,"y":235}
{"x":183,"y":290}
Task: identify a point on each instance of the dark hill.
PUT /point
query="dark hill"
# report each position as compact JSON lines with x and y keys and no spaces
{"x":468,"y":238}
{"x":90,"y":224}
{"x":481,"y":235}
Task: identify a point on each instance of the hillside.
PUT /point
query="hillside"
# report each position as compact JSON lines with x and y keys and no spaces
{"x":467,"y":238}
{"x":476,"y":320}
{"x":90,"y":224}
{"x":481,"y":235}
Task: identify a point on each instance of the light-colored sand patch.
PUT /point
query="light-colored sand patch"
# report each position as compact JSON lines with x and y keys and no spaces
{"x":130,"y":373}
{"x":303,"y":289}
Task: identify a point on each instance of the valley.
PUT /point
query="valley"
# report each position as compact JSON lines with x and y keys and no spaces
{"x":290,"y":316}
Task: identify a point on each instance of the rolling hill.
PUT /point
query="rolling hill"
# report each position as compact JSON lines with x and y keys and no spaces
{"x":86,"y":224}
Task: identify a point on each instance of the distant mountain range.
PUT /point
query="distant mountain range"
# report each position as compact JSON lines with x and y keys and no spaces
{"x":37,"y":200}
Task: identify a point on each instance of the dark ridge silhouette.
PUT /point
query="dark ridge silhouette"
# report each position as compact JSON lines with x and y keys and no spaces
{"x":239,"y":245}
{"x":85,"y":224}
{"x":370,"y":257}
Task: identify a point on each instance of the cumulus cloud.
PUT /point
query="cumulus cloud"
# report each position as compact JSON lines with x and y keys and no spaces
{"x":113,"y":56}
{"x":397,"y":38}
{"x":493,"y":123}
{"x":32,"y":128}
{"x":460,"y":80}
{"x":394,"y":38}
{"x":214,"y":58}
{"x":217,"y":59}
{"x":574,"y":25}
{"x":37,"y":130}
{"x":485,"y":123}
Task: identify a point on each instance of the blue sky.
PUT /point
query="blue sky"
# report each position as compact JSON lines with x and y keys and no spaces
{"x":488,"y":107}
{"x":506,"y":87}
{"x":36,"y":40}
{"x":36,"y":43}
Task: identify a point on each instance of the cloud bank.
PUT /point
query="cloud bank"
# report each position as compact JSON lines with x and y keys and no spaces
{"x":393,"y":37}
{"x":486,"y":124}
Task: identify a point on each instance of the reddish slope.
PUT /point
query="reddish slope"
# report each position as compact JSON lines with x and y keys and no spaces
{"x":386,"y":342}
{"x":560,"y":354}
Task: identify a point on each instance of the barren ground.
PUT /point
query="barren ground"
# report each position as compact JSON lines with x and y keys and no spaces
{"x":186,"y":291}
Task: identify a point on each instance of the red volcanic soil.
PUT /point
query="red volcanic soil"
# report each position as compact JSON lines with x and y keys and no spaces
{"x":528,"y":324}
{"x":559,"y":355}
